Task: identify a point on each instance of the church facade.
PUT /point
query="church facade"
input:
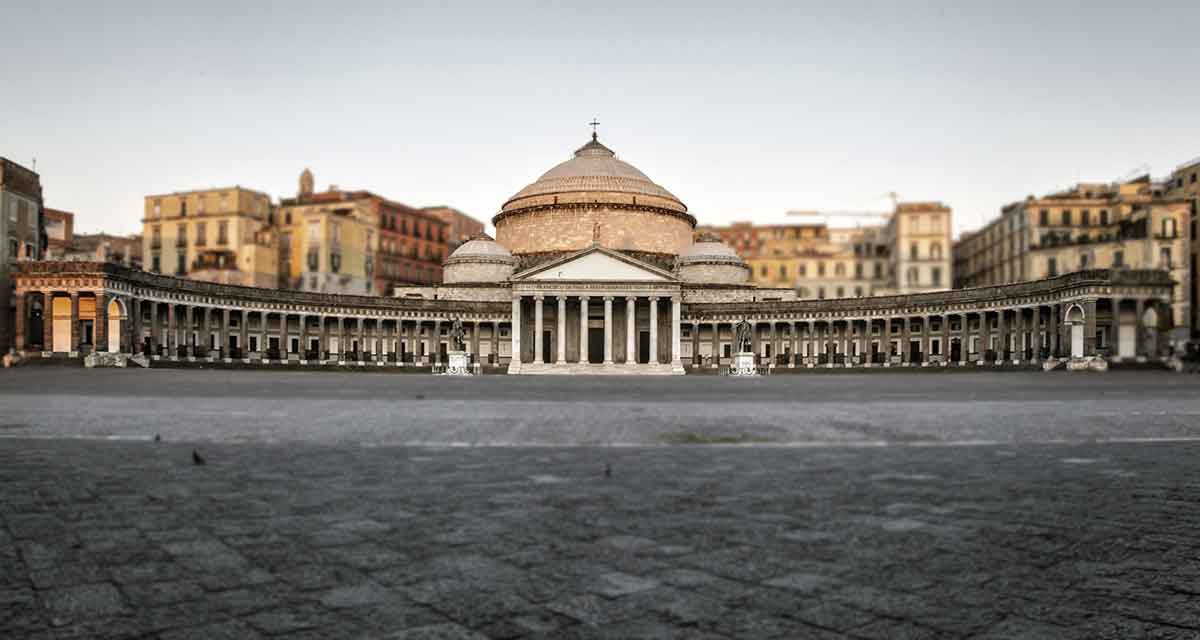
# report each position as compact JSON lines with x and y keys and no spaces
{"x":595,"y":269}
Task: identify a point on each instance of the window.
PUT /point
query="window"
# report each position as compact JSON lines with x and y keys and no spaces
{"x":335,"y":232}
{"x":1085,"y":217}
{"x":1051,"y":267}
{"x":858,"y":271}
{"x":858,"y":291}
{"x":1164,"y":257}
{"x":936,"y":274}
{"x":1066,"y":217}
{"x":878,"y":270}
{"x":913,"y":276}
{"x":763,"y":270}
{"x":935,"y":251}
{"x":1168,"y":227}
{"x":200,"y":204}
{"x":1044,"y":217}
{"x":1103,"y":217}
{"x":1118,"y":258}
{"x":157,"y":208}
{"x":29,"y":254}
{"x":821,"y":270}
{"x":182,"y":207}
{"x":224,"y":202}
{"x":314,"y":230}
{"x":13,"y":248}
{"x":156,"y":263}
{"x":335,"y":262}
{"x":180,"y":264}
{"x":313,"y":258}
{"x":181,"y":241}
{"x":1084,"y":260}
{"x":223,"y":232}
{"x":783,"y":272}
{"x":802,"y":270}
{"x":839,"y":270}
{"x":841,"y":292}
{"x":821,"y":293}
{"x":912,"y":251}
{"x":287,"y":218}
{"x":200,"y":234}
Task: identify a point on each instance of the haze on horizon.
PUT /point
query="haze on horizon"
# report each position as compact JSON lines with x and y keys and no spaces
{"x":742,"y":111}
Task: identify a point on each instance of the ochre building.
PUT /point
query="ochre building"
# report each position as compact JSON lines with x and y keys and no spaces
{"x":596,"y":269}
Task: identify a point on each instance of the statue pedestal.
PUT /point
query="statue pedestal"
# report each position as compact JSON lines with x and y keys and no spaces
{"x":458,"y":364}
{"x":743,"y":365}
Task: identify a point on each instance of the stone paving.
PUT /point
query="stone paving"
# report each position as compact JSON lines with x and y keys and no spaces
{"x":103,"y":539}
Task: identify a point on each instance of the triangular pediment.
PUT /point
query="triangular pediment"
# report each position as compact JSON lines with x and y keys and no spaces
{"x":596,"y":263}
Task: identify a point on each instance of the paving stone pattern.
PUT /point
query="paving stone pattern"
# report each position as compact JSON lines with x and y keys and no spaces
{"x":107,"y":539}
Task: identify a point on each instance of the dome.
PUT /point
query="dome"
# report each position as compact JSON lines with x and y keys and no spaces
{"x":710,"y":261}
{"x":595,"y":167}
{"x":479,"y":259}
{"x":594,"y":198}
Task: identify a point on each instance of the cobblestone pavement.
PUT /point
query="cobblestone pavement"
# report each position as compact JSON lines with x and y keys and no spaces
{"x":111,"y":539}
{"x":269,"y":406}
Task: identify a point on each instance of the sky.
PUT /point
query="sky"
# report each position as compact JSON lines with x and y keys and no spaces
{"x":743,"y":110}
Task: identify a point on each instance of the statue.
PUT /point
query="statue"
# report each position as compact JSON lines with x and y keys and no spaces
{"x":457,"y":334}
{"x":743,"y":333}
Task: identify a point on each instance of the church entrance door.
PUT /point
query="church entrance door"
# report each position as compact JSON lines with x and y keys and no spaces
{"x":595,"y":345}
{"x":643,"y":347}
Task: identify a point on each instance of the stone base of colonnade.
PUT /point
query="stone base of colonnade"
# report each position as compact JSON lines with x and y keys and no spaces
{"x":595,"y":369}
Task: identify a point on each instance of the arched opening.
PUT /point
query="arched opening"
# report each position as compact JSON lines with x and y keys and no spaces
{"x":1074,"y":319}
{"x":117,"y":317}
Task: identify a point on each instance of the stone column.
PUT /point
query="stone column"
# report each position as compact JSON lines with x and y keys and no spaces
{"x":188,"y":324}
{"x":630,"y":330}
{"x":695,"y":343}
{"x":654,"y":330}
{"x":515,"y":331}
{"x":583,"y":329}
{"x":771,"y":341}
{"x":222,"y":333}
{"x":716,"y":344}
{"x":926,"y":340}
{"x":676,"y":324}
{"x":495,"y":355}
{"x":538,"y":328}
{"x":19,"y":322}
{"x":1002,"y":333}
{"x":244,"y":334}
{"x":755,"y":343}
{"x":608,"y":330}
{"x":172,"y":332}
{"x":810,"y":338}
{"x":905,"y":336}
{"x":475,"y":340}
{"x":561,"y":323}
{"x":156,"y":334}
{"x":985,"y":335}
{"x":74,"y":320}
{"x":1089,"y":327}
{"x":100,"y":343}
{"x":303,"y":337}
{"x":1018,"y":354}
{"x":946,"y":339}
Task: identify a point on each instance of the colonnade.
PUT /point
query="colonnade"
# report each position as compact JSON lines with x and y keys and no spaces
{"x":1117,"y":328}
{"x":181,"y":331}
{"x":586,"y":328}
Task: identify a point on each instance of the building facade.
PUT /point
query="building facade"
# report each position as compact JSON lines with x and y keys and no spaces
{"x":595,"y":296}
{"x":462,"y":227}
{"x":1130,"y":225}
{"x":60,"y":233}
{"x":221,"y":235}
{"x":104,"y":247}
{"x":910,"y":253}
{"x":21,"y":234}
{"x":1185,"y":183}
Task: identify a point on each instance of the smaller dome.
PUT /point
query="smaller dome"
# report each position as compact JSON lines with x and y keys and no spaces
{"x":481,"y":246}
{"x":480,"y":259}
{"x":706,"y":247}
{"x":708,"y":260}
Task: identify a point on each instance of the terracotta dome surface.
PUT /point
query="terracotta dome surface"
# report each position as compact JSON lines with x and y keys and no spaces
{"x":595,"y":167}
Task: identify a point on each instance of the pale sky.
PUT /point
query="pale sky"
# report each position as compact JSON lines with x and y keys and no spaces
{"x":743,"y":110}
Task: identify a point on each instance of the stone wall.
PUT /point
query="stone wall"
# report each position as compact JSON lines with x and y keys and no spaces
{"x":476,"y":271}
{"x":571,"y":228}
{"x":713,"y":273}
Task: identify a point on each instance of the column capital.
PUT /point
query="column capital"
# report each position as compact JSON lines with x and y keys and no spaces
{"x":653,"y":298}
{"x":585,"y":298}
{"x":539,"y":298}
{"x":608,"y":298}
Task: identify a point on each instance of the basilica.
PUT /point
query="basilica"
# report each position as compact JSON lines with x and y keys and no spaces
{"x":594,"y":269}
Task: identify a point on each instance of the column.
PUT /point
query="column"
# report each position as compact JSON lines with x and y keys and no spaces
{"x":1018,"y":355}
{"x":945,"y":339}
{"x":19,"y":324}
{"x":630,"y":330}
{"x":985,"y":335}
{"x":74,"y":324}
{"x":172,"y":332}
{"x":188,"y":325}
{"x":303,"y":337}
{"x":676,"y":323}
{"x":810,"y":338}
{"x":608,"y":327}
{"x":794,"y":332}
{"x":414,"y":338}
{"x":538,"y":356}
{"x":716,"y":344}
{"x":771,"y":341}
{"x":561,"y":323}
{"x":1089,"y":327}
{"x":135,"y":326}
{"x":223,"y":333}
{"x":244,"y":334}
{"x":100,"y":324}
{"x":755,"y":346}
{"x":495,"y":355}
{"x":695,"y":343}
{"x":515,"y":331}
{"x":905,"y":337}
{"x":475,"y":326}
{"x":156,"y":334}
{"x":583,"y":329}
{"x":864,"y":340}
{"x":1002,"y":333}
{"x":654,"y":330}
{"x":925,"y":340}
